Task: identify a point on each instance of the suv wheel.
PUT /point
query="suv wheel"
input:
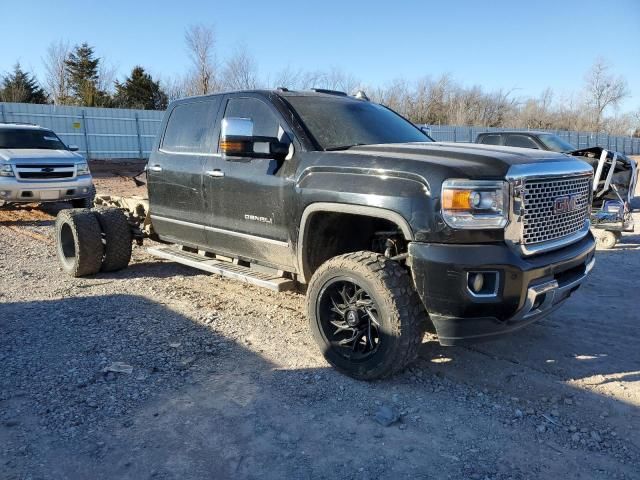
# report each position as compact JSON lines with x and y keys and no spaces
{"x":86,"y":202}
{"x":79,"y":242}
{"x":365,"y":315}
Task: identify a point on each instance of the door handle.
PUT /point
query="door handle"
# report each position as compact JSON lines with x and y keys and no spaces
{"x":155,"y":168}
{"x":217,"y":173}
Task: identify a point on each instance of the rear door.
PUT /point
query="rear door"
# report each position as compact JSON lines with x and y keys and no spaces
{"x":175,"y":171}
{"x":246,"y":198}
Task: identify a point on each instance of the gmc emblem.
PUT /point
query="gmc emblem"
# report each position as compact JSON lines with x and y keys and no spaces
{"x":565,"y":204}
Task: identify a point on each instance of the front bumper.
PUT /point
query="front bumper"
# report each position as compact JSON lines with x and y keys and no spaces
{"x":528,"y":289}
{"x":12,"y":190}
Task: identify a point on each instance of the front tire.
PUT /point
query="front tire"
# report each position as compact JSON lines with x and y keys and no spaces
{"x":86,"y":202}
{"x":365,"y":315}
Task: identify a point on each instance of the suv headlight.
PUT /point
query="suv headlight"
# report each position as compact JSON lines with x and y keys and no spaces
{"x":82,"y":169}
{"x":6,"y":171}
{"x":475,"y":204}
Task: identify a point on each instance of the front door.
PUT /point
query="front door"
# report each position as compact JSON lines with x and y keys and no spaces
{"x":246,"y":198}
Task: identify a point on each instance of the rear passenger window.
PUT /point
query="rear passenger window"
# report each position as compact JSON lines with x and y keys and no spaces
{"x":490,"y":139}
{"x":189,"y":129}
{"x":520,"y":141}
{"x":265,"y":122}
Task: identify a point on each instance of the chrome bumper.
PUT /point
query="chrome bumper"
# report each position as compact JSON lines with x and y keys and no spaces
{"x":12,"y":190}
{"x":552,"y":294}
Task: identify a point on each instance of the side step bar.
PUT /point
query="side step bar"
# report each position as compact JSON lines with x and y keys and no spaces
{"x":224,"y":268}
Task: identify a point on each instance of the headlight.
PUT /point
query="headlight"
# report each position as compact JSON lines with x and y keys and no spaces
{"x":82,"y":169}
{"x":6,"y":171}
{"x":474,"y":204}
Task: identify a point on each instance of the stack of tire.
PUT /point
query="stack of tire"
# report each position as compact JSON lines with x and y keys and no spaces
{"x":89,"y":241}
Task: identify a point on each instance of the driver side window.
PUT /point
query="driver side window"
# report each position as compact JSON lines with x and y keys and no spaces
{"x":265,"y":122}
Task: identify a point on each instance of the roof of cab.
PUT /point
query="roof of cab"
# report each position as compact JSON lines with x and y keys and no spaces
{"x":276,"y":91}
{"x":511,"y":132}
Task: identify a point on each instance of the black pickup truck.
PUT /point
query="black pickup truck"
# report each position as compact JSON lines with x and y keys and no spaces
{"x":390,"y":233}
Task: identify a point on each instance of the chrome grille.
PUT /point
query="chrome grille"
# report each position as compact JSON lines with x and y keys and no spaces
{"x":32,"y":171}
{"x":540,"y":222}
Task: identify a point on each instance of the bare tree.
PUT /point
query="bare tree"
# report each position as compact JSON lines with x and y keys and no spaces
{"x":56,"y":75}
{"x":240,"y":71}
{"x":603,"y":90}
{"x":200,"y":42}
{"x":107,"y":74}
{"x":287,"y":78}
{"x":174,"y":87}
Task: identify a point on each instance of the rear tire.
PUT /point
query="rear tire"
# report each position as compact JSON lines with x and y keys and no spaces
{"x":365,"y":315}
{"x":79,"y":242}
{"x":117,"y":236}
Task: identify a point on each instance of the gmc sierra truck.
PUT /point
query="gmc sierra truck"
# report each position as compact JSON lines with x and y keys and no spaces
{"x":390,"y":233}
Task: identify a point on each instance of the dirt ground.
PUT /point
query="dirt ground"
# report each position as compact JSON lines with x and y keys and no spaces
{"x":227,"y":383}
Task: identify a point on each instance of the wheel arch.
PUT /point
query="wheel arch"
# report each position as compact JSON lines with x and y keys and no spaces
{"x":305,"y":269}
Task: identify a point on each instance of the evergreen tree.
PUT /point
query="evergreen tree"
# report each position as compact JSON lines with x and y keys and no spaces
{"x":21,"y":86}
{"x":139,"y":90}
{"x":83,"y":72}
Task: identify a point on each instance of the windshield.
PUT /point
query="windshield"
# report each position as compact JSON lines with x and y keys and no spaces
{"x":555,"y":143}
{"x":20,"y":138}
{"x":342,"y":122}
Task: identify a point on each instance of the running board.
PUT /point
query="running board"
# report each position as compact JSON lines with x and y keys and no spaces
{"x":224,"y":268}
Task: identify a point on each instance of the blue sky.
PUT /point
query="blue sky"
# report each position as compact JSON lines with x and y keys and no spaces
{"x":524,"y":46}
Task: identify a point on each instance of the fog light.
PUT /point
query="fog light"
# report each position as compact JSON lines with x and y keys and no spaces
{"x":4,"y":193}
{"x":483,"y":284}
{"x":85,"y":190}
{"x":477,"y":282}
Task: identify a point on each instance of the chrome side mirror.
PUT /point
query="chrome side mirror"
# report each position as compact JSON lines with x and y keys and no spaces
{"x":237,"y":140}
{"x":237,"y":127}
{"x":73,"y":148}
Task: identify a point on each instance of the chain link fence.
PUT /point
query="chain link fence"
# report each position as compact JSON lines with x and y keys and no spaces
{"x":626,"y":145}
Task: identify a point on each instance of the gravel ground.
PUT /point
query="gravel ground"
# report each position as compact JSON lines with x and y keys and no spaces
{"x":161,"y":371}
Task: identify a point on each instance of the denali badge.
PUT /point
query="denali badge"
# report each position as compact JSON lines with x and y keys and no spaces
{"x":255,"y":218}
{"x":565,"y":204}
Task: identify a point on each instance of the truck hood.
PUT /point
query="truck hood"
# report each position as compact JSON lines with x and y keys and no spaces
{"x":466,"y":160}
{"x":37,"y":155}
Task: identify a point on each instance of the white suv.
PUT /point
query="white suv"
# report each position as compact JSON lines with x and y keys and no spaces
{"x":36,"y":166}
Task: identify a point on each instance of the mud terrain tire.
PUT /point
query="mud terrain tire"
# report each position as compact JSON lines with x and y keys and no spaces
{"x":79,"y":242}
{"x":400,"y":315}
{"x":117,"y":238}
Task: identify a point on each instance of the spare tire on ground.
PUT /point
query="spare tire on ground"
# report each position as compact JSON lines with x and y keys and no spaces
{"x":117,"y":238}
{"x":79,"y":242}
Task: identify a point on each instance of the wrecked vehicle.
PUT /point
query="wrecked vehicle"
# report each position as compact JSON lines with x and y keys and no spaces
{"x":614,"y":183}
{"x":389,"y":232}
{"x":36,"y":167}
